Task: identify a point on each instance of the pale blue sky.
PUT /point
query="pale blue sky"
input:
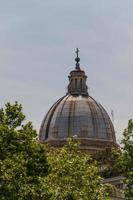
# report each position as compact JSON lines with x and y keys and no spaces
{"x":37,"y":43}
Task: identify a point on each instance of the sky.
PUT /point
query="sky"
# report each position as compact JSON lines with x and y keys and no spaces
{"x":38,"y":39}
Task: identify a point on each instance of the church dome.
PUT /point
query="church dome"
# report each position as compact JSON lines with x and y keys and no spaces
{"x":78,"y":114}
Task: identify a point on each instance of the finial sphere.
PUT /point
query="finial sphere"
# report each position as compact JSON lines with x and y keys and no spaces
{"x":77,"y":59}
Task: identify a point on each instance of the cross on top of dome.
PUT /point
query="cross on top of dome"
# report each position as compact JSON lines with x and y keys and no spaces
{"x":77,"y":52}
{"x":77,"y":59}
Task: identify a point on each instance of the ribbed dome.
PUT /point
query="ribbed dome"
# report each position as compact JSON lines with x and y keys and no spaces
{"x":77,"y":113}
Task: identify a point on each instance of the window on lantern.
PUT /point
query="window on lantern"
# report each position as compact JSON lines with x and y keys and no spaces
{"x":81,"y":83}
{"x":75,"y":83}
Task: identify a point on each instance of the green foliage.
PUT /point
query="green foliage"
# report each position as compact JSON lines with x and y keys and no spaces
{"x":109,"y":161}
{"x":33,"y":171}
{"x":128,"y":159}
{"x":73,"y":175}
{"x":23,"y":163}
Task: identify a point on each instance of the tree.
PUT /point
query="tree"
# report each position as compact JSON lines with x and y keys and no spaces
{"x":23,"y":163}
{"x":33,"y":171}
{"x":128,"y":159}
{"x":109,"y":161}
{"x":73,"y":175}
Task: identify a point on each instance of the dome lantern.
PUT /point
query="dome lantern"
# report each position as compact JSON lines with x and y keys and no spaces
{"x":77,"y":80}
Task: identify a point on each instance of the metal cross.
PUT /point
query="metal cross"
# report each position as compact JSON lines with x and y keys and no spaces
{"x":77,"y":52}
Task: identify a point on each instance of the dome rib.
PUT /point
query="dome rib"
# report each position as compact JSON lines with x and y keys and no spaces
{"x":110,"y":124}
{"x":57,"y":108}
{"x":67,"y":96}
{"x":69,"y":118}
{"x":62,"y":110}
{"x":49,"y":117}
{"x":93,"y":118}
{"x":103,"y":116}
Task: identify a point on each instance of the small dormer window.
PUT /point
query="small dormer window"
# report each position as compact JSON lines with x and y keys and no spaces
{"x":55,"y":132}
{"x":84,"y":131}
